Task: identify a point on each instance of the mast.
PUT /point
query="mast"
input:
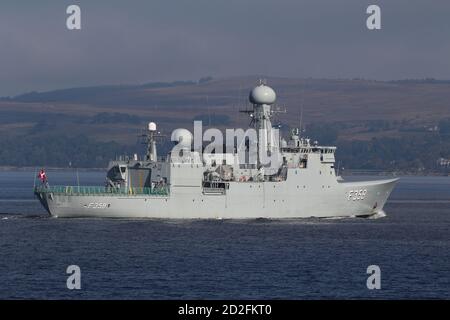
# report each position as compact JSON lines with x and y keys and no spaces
{"x":151,"y":142}
{"x":263,"y":97}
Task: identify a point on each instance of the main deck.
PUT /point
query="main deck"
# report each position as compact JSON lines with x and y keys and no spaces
{"x":101,"y":191}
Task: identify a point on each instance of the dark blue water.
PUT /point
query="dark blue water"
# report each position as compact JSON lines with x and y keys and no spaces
{"x":255,"y":259}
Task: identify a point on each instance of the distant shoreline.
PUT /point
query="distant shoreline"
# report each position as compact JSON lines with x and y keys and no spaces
{"x":11,"y":168}
{"x":348,"y":172}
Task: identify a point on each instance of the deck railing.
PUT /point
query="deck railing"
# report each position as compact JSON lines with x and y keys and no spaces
{"x":99,"y":190}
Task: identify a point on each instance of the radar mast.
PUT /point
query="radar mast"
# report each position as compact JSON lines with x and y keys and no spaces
{"x":150,"y":139}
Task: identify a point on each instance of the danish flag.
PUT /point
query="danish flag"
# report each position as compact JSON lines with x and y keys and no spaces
{"x":42,"y":176}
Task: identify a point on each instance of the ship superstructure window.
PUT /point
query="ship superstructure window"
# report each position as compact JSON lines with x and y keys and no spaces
{"x":303,"y":163}
{"x":114,"y":173}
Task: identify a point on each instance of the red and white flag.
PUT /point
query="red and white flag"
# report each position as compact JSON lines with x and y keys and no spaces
{"x":42,"y":175}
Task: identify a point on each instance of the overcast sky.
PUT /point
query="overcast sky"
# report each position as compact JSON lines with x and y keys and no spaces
{"x":163,"y":40}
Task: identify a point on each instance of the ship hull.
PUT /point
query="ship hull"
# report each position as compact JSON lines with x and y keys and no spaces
{"x":249,"y":200}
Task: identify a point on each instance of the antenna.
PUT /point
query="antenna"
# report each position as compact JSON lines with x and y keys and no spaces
{"x":242,"y":104}
{"x":209,"y":112}
{"x":78,"y":181}
{"x":236,"y":114}
{"x":262,"y":81}
{"x":302,"y":100}
{"x":241,"y":96}
{"x":301,"y":119}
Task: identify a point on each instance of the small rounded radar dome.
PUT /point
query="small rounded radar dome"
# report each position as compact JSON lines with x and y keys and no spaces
{"x":182,"y":137}
{"x":262,"y":94}
{"x":151,"y":126}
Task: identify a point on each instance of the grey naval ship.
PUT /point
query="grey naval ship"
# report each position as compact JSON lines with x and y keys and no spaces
{"x":191,"y":183}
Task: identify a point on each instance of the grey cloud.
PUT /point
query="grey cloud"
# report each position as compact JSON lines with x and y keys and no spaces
{"x":140,"y":41}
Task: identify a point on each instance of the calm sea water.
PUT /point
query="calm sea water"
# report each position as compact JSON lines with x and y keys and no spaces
{"x":252,"y":259}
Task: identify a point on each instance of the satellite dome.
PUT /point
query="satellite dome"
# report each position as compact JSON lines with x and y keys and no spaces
{"x":182,"y":137}
{"x":152,"y":126}
{"x":262,"y":94}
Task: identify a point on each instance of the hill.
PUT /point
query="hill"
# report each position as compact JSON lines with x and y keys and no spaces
{"x":346,"y":112}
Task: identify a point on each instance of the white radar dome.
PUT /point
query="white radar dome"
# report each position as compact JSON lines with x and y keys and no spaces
{"x":183,"y":137}
{"x":152,"y":126}
{"x":262,"y":94}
